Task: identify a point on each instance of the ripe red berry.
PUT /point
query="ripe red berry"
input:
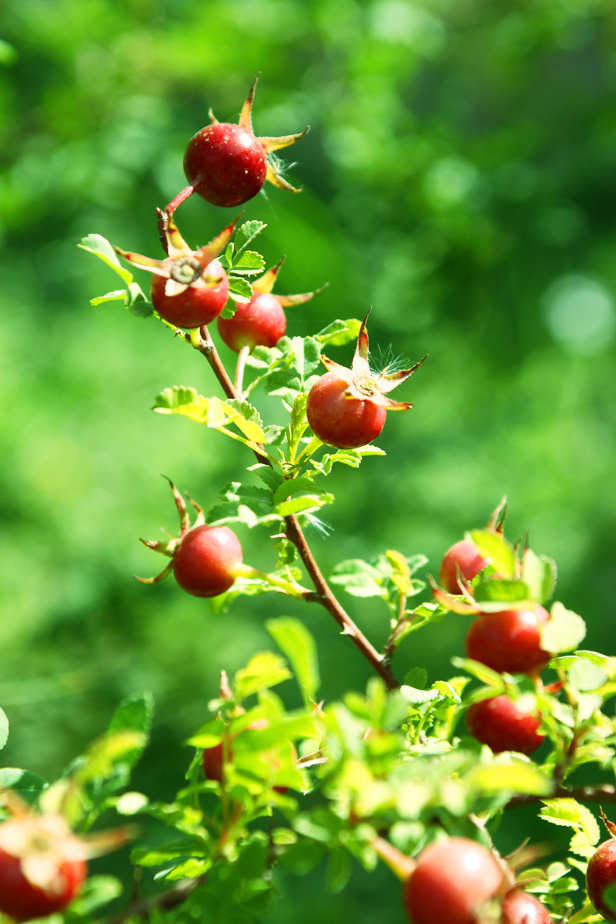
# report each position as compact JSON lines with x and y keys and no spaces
{"x":465,"y":557}
{"x":40,"y":872}
{"x":339,"y":419}
{"x":501,"y":724}
{"x":189,"y":287}
{"x":451,"y":882}
{"x":200,"y":303}
{"x":227,"y":164}
{"x":259,"y":322}
{"x":509,"y":640}
{"x":519,"y":907}
{"x":228,"y":160}
{"x":347,"y":407}
{"x":205,"y":562}
{"x":600,"y":875}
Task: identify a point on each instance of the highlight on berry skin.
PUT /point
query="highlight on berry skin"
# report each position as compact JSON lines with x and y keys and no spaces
{"x":227,"y":164}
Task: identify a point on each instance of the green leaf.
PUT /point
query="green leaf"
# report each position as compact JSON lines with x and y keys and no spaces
{"x":296,"y":642}
{"x":513,"y":776}
{"x":494,"y":547}
{"x":27,"y":784}
{"x":264,"y":670}
{"x":359,"y":578}
{"x":339,"y":869}
{"x":135,"y":713}
{"x":4,"y":728}
{"x":480,"y":671}
{"x":247,"y":262}
{"x":417,"y":697}
{"x":570,"y":813}
{"x":184,"y":400}
{"x":339,"y":332}
{"x":240,"y":291}
{"x":247,"y":233}
{"x":99,"y":246}
{"x":539,"y":574}
{"x":496,"y":591}
{"x":564,"y":630}
{"x":96,"y":892}
{"x":303,"y":503}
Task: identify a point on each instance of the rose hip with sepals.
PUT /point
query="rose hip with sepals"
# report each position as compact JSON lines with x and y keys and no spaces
{"x":189,"y":287}
{"x":453,"y":879}
{"x":261,"y":321}
{"x":347,"y":407}
{"x":503,"y":726}
{"x":205,"y":562}
{"x":600,"y":876}
{"x":227,"y":164}
{"x":509,"y":640}
{"x":465,"y":559}
{"x":41,"y":866}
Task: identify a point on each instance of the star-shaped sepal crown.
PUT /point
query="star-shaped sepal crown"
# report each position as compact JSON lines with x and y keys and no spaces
{"x":268,"y":143}
{"x":183,"y":267}
{"x":363,"y":383}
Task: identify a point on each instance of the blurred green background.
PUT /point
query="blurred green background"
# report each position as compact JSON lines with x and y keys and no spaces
{"x":459,"y":176}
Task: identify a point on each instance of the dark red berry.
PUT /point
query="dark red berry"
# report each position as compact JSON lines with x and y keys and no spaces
{"x":464,"y":557}
{"x":509,"y":640}
{"x":341,"y":420}
{"x":453,"y":879}
{"x":205,"y":562}
{"x":600,"y":875}
{"x":519,"y":907}
{"x":259,"y":322}
{"x":228,"y":162}
{"x":199,"y":304}
{"x":501,"y":724}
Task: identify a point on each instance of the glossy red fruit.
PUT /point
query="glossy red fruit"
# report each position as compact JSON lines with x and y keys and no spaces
{"x":226,"y":164}
{"x":521,"y":908}
{"x":259,"y":322}
{"x":205,"y":562}
{"x":230,"y":162}
{"x":501,"y":724}
{"x":343,"y":421}
{"x":38,"y":874}
{"x":509,"y":640}
{"x":600,"y":875}
{"x":198,"y":304}
{"x":465,"y":557}
{"x":451,"y":882}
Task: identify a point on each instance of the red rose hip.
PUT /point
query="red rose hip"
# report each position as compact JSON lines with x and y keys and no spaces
{"x":259,"y":322}
{"x":41,"y":866}
{"x":521,"y":908}
{"x":509,"y":640}
{"x":600,"y":875}
{"x":199,"y":304}
{"x":206,"y":561}
{"x":339,"y":419}
{"x":451,"y":882}
{"x":464,"y":557}
{"x":503,"y":726}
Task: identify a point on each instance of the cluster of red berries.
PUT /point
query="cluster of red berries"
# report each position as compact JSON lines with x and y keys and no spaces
{"x":456,"y":880}
{"x":507,"y":641}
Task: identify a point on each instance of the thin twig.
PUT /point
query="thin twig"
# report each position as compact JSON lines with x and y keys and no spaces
{"x":603,"y":792}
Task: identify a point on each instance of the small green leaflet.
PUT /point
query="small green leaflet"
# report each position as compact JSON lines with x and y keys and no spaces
{"x":264,"y":670}
{"x":568,"y":812}
{"x":212,"y":412}
{"x":296,"y":642}
{"x":564,"y":631}
{"x":101,"y":248}
{"x":494,"y":547}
